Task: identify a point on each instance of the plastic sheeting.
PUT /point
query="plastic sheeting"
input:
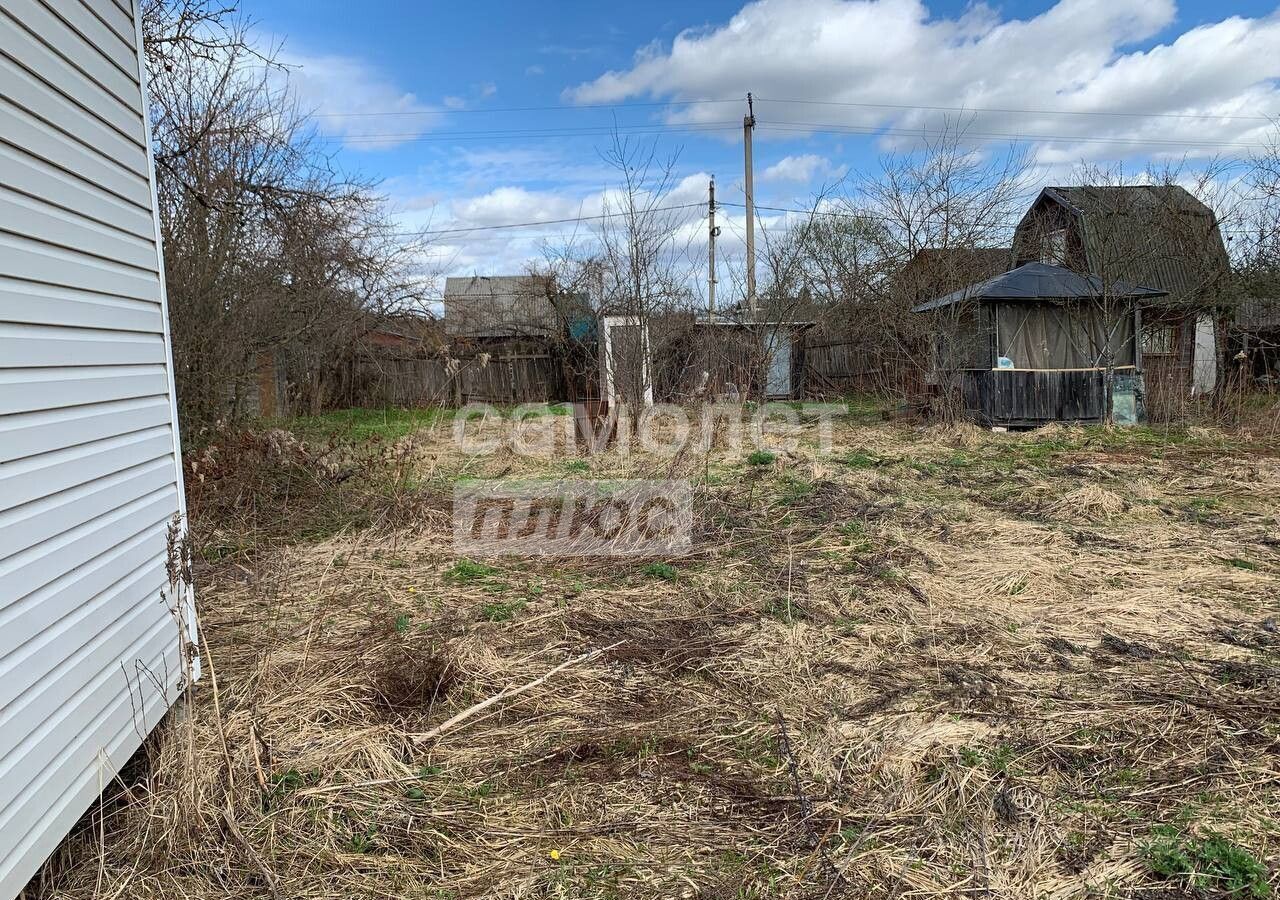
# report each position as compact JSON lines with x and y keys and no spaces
{"x":1064,"y":336}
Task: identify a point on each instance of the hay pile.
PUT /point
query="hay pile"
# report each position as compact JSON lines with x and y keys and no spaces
{"x":864,"y":682}
{"x":1089,"y":503}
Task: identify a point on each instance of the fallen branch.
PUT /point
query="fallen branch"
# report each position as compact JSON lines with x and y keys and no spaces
{"x":507,"y":693}
{"x":834,"y":877}
{"x":273,"y":884}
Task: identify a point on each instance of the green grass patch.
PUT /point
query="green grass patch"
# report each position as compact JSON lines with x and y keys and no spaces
{"x":362,"y":841}
{"x":465,"y":571}
{"x":762,"y":458}
{"x":795,"y":489}
{"x":1209,"y":863}
{"x":867,"y":408}
{"x":785,"y":611}
{"x":501,"y":611}
{"x":387,"y":424}
{"x":665,"y":571}
{"x":861,"y":459}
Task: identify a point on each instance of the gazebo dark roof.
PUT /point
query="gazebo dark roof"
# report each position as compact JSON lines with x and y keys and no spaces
{"x":1039,"y":281}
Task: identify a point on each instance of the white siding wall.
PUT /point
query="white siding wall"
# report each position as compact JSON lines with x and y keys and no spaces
{"x":89,"y":650}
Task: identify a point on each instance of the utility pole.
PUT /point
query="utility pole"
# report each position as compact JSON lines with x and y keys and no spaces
{"x":712,"y":233}
{"x":748,"y":123}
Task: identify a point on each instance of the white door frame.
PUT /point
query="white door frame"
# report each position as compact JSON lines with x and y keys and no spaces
{"x":606,"y":358}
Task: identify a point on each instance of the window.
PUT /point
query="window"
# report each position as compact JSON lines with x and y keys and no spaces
{"x":1053,"y":251}
{"x":1157,"y":338}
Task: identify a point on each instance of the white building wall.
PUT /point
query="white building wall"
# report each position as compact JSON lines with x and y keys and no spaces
{"x":90,"y":642}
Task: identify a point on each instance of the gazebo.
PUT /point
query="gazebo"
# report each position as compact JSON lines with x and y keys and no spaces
{"x":1041,"y":343}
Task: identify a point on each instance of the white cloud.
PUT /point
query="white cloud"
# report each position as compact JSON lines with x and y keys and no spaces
{"x":342,"y":90}
{"x":894,"y":57}
{"x":802,"y":169}
{"x":534,"y":70}
{"x":516,"y":204}
{"x":490,"y":251}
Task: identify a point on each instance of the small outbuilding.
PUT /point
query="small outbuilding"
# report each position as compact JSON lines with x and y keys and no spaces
{"x":1158,"y":235}
{"x":1040,"y":343}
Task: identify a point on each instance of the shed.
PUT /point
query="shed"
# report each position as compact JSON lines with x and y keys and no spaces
{"x":1037,"y":344}
{"x":1158,"y":235}
{"x":94,"y":639}
{"x":757,"y":358}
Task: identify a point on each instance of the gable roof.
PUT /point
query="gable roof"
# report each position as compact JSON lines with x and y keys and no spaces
{"x":1153,"y":234}
{"x":1039,"y":281}
{"x":499,"y":306}
{"x":937,"y":270}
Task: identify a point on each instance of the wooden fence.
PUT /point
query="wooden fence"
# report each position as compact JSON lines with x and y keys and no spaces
{"x":485,"y":378}
{"x":844,"y":368}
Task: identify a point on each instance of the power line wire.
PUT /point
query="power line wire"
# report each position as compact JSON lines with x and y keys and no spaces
{"x":506,"y":109}
{"x":1016,"y":111}
{"x":573,"y":219}
{"x":817,"y":213}
{"x":639,"y":104}
{"x":790,"y":127}
{"x":784,"y":127}
{"x":820,"y":213}
{"x":574,"y":131}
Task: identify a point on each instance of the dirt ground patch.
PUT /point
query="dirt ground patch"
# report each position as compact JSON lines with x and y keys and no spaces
{"x":927,"y":663}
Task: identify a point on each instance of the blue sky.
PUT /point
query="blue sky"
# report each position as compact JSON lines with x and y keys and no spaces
{"x":424,"y":96}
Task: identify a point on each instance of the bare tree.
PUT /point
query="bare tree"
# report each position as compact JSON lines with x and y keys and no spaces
{"x":634,"y":264}
{"x":274,"y":258}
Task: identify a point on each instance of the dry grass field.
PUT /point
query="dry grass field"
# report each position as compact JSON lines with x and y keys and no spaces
{"x":933,"y":662}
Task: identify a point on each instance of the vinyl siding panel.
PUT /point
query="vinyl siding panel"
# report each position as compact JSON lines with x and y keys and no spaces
{"x":100,"y":39}
{"x":22,"y":257}
{"x":25,"y":390}
{"x":64,"y":40}
{"x":59,"y":228}
{"x":91,"y":647}
{"x":82,"y":646}
{"x":28,"y":434}
{"x":59,"y":189}
{"x":34,"y":523}
{"x":42,"y":304}
{"x":116,"y":17}
{"x":38,"y":58}
{"x":45,"y":607}
{"x":49,"y":473}
{"x":43,"y":345}
{"x":28,"y":91}
{"x":21,"y":130}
